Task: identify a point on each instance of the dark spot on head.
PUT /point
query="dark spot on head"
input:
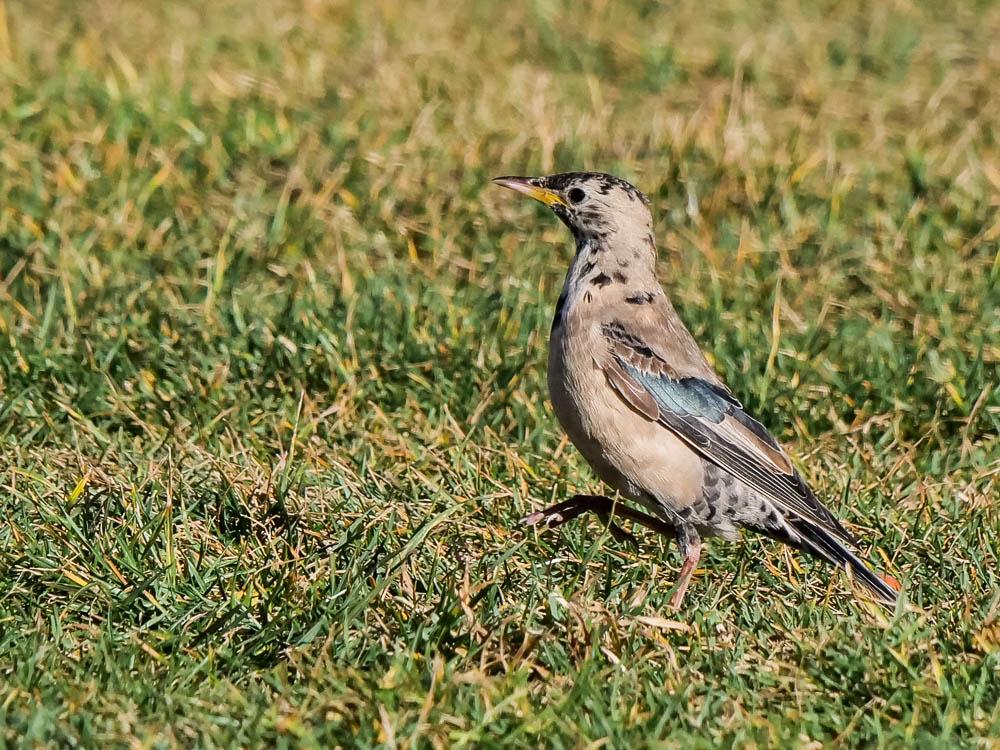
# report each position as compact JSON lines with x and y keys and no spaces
{"x":589,"y":266}
{"x":601,"y":280}
{"x":587,"y":297}
{"x":642,"y":298}
{"x":594,"y":219}
{"x":620,"y":277}
{"x":598,"y":181}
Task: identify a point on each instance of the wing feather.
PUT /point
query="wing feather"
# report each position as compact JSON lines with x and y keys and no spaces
{"x":712,"y":422}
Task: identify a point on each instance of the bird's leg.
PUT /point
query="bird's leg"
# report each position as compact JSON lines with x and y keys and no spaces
{"x":605,"y":508}
{"x":690,"y":545}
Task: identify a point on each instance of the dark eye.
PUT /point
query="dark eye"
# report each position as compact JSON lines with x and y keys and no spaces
{"x":576,"y":195}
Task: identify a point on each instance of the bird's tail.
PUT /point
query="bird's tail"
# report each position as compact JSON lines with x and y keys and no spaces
{"x":825,"y":545}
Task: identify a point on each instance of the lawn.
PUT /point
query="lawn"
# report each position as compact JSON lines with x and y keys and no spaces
{"x":272,"y":371}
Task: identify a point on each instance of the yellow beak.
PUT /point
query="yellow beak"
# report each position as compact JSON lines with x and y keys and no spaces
{"x":527,"y":186}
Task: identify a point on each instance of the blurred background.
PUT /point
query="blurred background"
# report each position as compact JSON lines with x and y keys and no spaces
{"x":272,"y":369}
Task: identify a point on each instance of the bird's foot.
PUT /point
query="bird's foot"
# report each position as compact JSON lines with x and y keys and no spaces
{"x":691,"y":558}
{"x":605,"y":508}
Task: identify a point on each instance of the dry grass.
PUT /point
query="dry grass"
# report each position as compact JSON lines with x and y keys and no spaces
{"x":272,"y":371}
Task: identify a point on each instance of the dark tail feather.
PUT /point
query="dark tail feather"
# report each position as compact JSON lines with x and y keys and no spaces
{"x":823,"y":544}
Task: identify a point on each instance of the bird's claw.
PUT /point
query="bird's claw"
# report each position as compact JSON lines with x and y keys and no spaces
{"x":570,"y":509}
{"x":533,"y":519}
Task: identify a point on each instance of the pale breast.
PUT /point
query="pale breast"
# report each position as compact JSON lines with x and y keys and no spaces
{"x":635,"y":456}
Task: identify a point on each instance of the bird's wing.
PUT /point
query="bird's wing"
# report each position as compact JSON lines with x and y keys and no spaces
{"x":662,"y":381}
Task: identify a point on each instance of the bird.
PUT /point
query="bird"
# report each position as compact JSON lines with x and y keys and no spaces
{"x":636,"y":396}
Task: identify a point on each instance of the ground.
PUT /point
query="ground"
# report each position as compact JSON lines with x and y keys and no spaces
{"x":272,"y":390}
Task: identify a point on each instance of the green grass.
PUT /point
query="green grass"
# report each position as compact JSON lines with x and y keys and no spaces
{"x":272,"y":361}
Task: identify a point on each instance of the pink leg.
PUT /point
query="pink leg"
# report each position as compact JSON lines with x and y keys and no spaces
{"x":687,"y":570}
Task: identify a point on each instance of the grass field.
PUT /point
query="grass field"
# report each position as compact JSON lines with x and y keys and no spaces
{"x":272,"y":389}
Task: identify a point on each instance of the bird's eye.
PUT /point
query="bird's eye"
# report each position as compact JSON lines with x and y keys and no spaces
{"x":576,"y":195}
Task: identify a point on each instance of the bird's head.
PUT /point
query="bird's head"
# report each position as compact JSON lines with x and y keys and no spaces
{"x":594,"y":205}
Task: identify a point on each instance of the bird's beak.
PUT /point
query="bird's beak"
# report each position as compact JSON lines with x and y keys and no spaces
{"x":530,"y":186}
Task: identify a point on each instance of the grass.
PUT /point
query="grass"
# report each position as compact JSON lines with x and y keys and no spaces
{"x":272,"y":371}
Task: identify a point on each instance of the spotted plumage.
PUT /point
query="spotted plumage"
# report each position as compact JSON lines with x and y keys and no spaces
{"x":637,"y":398}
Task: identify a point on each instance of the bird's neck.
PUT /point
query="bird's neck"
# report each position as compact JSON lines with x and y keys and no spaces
{"x":608,"y":270}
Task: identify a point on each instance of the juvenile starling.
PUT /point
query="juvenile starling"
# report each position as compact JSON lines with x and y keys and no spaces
{"x":640,"y":402}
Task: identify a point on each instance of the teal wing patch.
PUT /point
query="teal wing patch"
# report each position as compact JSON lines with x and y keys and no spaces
{"x":687,"y":395}
{"x":714,"y":424}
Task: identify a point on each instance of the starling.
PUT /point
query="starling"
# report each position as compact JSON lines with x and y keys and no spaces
{"x":638,"y":399}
